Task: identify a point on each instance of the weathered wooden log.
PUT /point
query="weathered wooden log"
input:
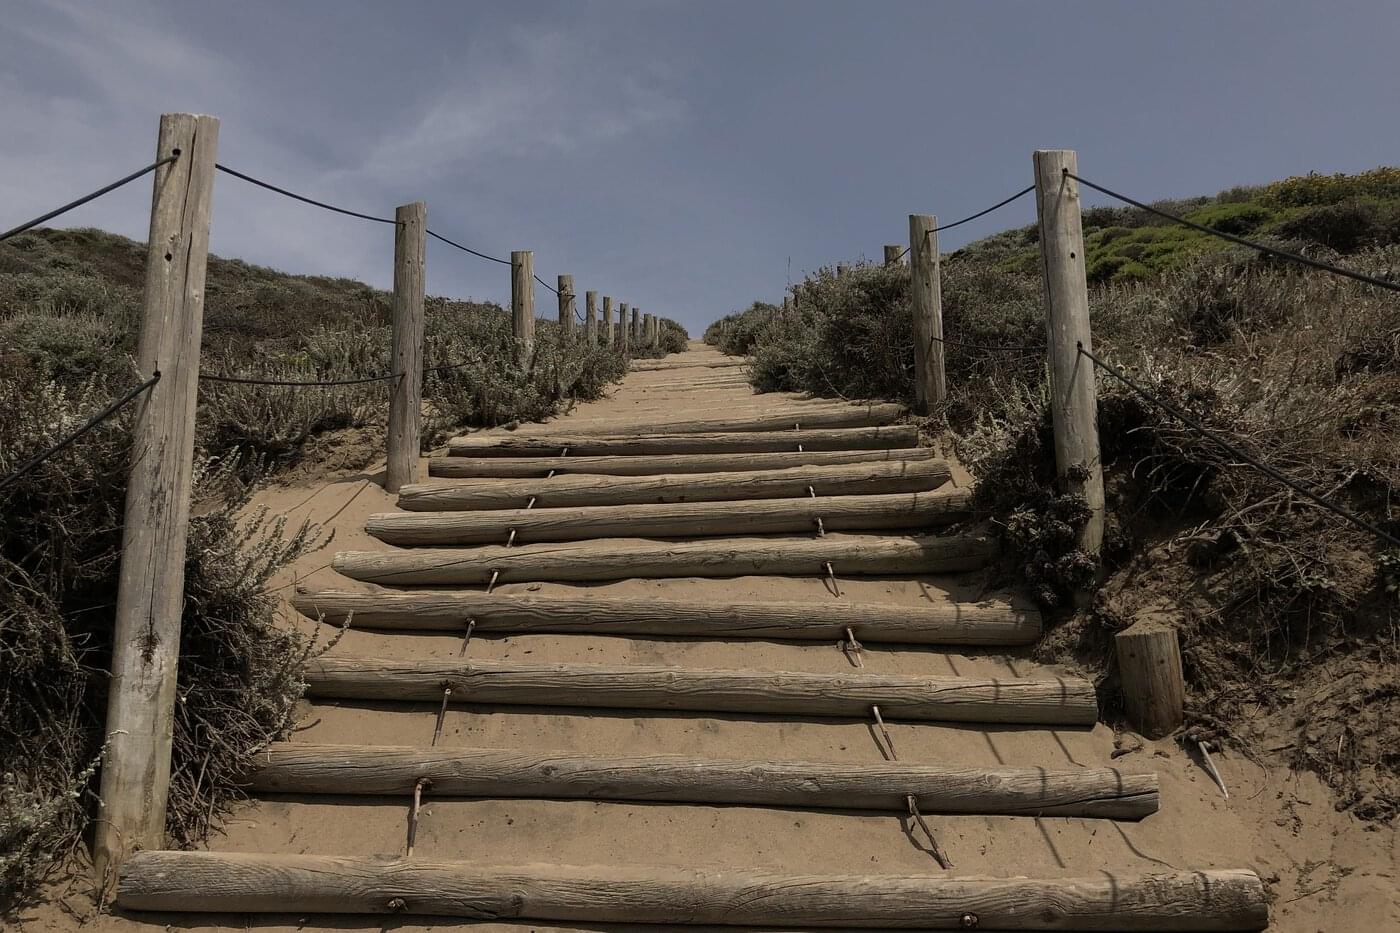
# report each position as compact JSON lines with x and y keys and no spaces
{"x":684,"y":362}
{"x":1041,"y":700}
{"x":521,"y":467}
{"x":624,"y":558}
{"x":590,"y":445}
{"x":240,"y":883}
{"x":1149,"y":669}
{"x":298,"y":768}
{"x":846,"y":416}
{"x":586,"y":612}
{"x":674,"y":519}
{"x":564,"y":491}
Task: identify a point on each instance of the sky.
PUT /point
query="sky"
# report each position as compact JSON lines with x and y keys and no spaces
{"x":684,"y":157}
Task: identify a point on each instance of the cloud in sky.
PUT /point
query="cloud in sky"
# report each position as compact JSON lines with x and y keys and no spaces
{"x":679,"y":156}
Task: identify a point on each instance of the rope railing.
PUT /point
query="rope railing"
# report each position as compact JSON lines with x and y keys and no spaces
{"x":110,"y":411}
{"x":982,"y":213}
{"x":1233,"y":238}
{"x":29,"y":225}
{"x":1235,"y":451}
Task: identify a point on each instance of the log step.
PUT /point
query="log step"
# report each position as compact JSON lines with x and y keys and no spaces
{"x":294,"y":767}
{"x":725,"y":363}
{"x":847,"y":416}
{"x":519,"y":467}
{"x":792,"y":482}
{"x":237,"y":882}
{"x":1041,"y":701}
{"x":673,"y":520}
{"x":623,"y":558}
{"x":585,"y":612}
{"x":596,"y":445}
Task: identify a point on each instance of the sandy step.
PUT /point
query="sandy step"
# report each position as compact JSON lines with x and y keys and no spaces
{"x":846,"y":416}
{"x":594,"y":445}
{"x":521,"y":467}
{"x":298,"y":768}
{"x":673,"y":520}
{"x":789,"y":482}
{"x":299,"y":884}
{"x":1035,"y":700}
{"x":621,"y":558}
{"x":583,"y":612}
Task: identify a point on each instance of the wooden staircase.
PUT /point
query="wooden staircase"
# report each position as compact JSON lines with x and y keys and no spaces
{"x":798,"y":488}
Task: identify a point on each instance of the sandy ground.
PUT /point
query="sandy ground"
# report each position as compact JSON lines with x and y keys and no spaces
{"x":1326,"y":871}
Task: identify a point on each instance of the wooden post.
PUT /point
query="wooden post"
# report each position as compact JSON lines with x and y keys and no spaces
{"x":930,"y":384}
{"x":568,"y":304}
{"x":590,"y":318}
{"x":1073,"y":403}
{"x":406,"y":354}
{"x":637,"y":327}
{"x":894,"y":254}
{"x":1149,"y":667}
{"x":624,"y":334}
{"x":651,"y":331}
{"x":151,"y":591}
{"x":522,"y":305}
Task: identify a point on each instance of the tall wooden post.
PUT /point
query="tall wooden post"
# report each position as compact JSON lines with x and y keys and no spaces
{"x":568,"y":305}
{"x":894,"y":254}
{"x":406,"y":350}
{"x":151,"y":592}
{"x":522,"y":305}
{"x":648,"y":330}
{"x":609,"y":337}
{"x":624,"y":333}
{"x":636,"y":327}
{"x":926,"y":297}
{"x":1073,"y":403}
{"x":590,"y":318}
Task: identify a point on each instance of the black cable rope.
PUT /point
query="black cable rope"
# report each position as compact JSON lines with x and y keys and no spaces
{"x":1003,"y":348}
{"x":957,"y":223}
{"x":257,"y":381}
{"x":1282,"y":254}
{"x":92,"y":422}
{"x":1236,"y":452}
{"x":88,"y":197}
{"x":467,"y":249}
{"x":546,"y":284}
{"x":297,"y":197}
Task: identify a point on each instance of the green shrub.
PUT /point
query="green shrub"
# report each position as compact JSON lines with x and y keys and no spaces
{"x":736,"y":333}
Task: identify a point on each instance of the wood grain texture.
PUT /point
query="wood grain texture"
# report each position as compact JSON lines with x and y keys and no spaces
{"x":624,"y":332}
{"x":1073,"y":398}
{"x":406,"y":349}
{"x":1216,"y":900}
{"x":590,"y":318}
{"x":986,"y":623}
{"x":609,"y":336}
{"x":621,"y":558}
{"x":298,"y":768}
{"x":673,"y":519}
{"x":522,"y":306}
{"x":1041,"y":700}
{"x":567,"y":305}
{"x":592,"y":445}
{"x":150,"y":594}
{"x":925,"y":293}
{"x":522,"y":467}
{"x":790,"y":482}
{"x":1149,"y":668}
{"x":837,"y":416}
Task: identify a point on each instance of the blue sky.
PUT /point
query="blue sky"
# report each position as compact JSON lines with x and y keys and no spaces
{"x":687,"y":157}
